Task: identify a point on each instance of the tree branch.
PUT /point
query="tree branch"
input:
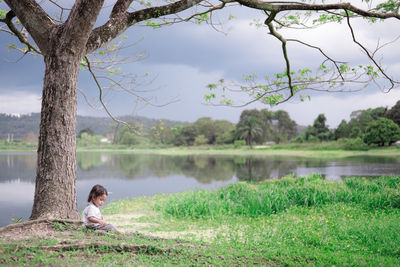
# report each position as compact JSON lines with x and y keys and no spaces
{"x":323,"y":53}
{"x":34,"y":19}
{"x":101,"y":95}
{"x":298,"y":6}
{"x":80,"y":22}
{"x":120,"y":21}
{"x":8,"y":21}
{"x":120,"y":7}
{"x":272,"y":31}
{"x":368,"y":53}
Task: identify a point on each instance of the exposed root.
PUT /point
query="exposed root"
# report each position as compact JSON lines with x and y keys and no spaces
{"x":23,"y":225}
{"x":100,"y":247}
{"x":43,"y":227}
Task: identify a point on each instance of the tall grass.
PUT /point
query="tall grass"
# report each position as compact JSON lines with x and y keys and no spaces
{"x":273,"y":196}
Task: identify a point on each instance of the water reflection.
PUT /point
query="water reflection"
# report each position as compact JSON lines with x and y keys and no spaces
{"x":204,"y":169}
{"x":129,"y":175}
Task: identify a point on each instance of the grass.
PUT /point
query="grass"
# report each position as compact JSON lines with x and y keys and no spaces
{"x":274,"y":196}
{"x":16,"y":146}
{"x":285,"y":222}
{"x":330,"y":149}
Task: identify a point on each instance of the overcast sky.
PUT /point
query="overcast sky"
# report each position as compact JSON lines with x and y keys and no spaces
{"x":182,"y":59}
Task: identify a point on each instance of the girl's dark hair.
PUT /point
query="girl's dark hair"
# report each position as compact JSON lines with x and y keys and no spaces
{"x":97,"y":191}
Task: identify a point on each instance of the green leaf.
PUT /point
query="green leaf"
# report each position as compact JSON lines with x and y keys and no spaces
{"x":227,"y":102}
{"x":83,"y":64}
{"x":201,"y":18}
{"x":3,"y":14}
{"x":212,"y":86}
{"x":344,"y":68}
{"x":113,"y":71}
{"x":208,"y":97}
{"x":11,"y":46}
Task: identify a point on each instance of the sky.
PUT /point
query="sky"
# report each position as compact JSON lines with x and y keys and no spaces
{"x":182,"y":59}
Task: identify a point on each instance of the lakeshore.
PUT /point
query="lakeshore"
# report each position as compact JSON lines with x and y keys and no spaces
{"x":285,"y":222}
{"x":318,"y":150}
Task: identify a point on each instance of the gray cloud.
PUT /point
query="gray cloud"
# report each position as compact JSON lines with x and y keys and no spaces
{"x":186,"y":57}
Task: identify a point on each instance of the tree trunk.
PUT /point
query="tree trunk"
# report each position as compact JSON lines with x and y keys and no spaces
{"x":55,"y":193}
{"x":250,"y":140}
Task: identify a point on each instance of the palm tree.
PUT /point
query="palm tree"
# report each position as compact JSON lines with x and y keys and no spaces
{"x":249,"y":128}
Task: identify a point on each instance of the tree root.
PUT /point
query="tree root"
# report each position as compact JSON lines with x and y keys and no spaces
{"x":99,"y":247}
{"x":44,"y":227}
{"x":28,"y":224}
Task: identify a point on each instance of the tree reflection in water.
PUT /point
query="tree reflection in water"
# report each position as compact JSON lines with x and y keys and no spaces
{"x":205,"y":169}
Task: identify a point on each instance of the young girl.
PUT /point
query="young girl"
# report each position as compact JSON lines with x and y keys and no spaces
{"x":91,"y":214}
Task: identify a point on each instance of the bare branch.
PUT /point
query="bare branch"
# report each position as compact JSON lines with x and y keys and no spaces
{"x":323,"y":53}
{"x":118,"y":24}
{"x":87,"y":99}
{"x":62,"y":10}
{"x":272,"y":31}
{"x":120,"y":7}
{"x":34,"y":19}
{"x":80,"y":22}
{"x":378,"y":47}
{"x":216,"y":7}
{"x":101,"y":95}
{"x":369,"y":54}
{"x":23,"y":39}
{"x":300,"y":6}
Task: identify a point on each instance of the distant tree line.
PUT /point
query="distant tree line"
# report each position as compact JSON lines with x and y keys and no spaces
{"x":378,"y":126}
{"x":254,"y":127}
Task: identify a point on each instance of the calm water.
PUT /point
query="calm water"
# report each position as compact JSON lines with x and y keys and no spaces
{"x":132,"y":175}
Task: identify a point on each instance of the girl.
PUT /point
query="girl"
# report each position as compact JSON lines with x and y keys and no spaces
{"x":91,"y":214}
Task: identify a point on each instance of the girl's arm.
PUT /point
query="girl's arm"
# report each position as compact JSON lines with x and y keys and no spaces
{"x":95,"y":220}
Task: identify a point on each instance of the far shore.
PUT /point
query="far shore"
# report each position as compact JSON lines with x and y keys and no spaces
{"x":230,"y":150}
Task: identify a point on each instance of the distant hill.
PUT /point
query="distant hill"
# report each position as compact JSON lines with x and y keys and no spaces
{"x":19,"y":125}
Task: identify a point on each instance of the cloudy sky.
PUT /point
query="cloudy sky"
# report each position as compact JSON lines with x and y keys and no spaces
{"x":180,"y":61}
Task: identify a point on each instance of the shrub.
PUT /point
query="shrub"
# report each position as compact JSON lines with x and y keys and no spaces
{"x":382,"y":131}
{"x":200,"y":140}
{"x":239,"y":143}
{"x":353,"y":144}
{"x":313,"y":138}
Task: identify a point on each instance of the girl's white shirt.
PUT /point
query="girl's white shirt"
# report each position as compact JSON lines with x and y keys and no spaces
{"x":91,"y":210}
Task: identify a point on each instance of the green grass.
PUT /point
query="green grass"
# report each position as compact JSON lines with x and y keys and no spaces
{"x":16,"y":146}
{"x":331,"y":149}
{"x":285,"y":222}
{"x":274,"y":196}
{"x":299,"y":221}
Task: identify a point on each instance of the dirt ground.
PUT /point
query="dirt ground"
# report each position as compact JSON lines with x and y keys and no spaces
{"x":45,"y":229}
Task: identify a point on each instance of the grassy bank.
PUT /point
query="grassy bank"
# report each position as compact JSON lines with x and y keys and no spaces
{"x":302,"y":151}
{"x":312,"y":150}
{"x":286,"y":222}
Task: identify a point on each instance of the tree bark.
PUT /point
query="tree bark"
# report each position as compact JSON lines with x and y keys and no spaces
{"x":55,"y":193}
{"x":55,"y":190}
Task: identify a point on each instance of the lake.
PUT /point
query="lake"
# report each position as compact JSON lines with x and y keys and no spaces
{"x":132,"y":175}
